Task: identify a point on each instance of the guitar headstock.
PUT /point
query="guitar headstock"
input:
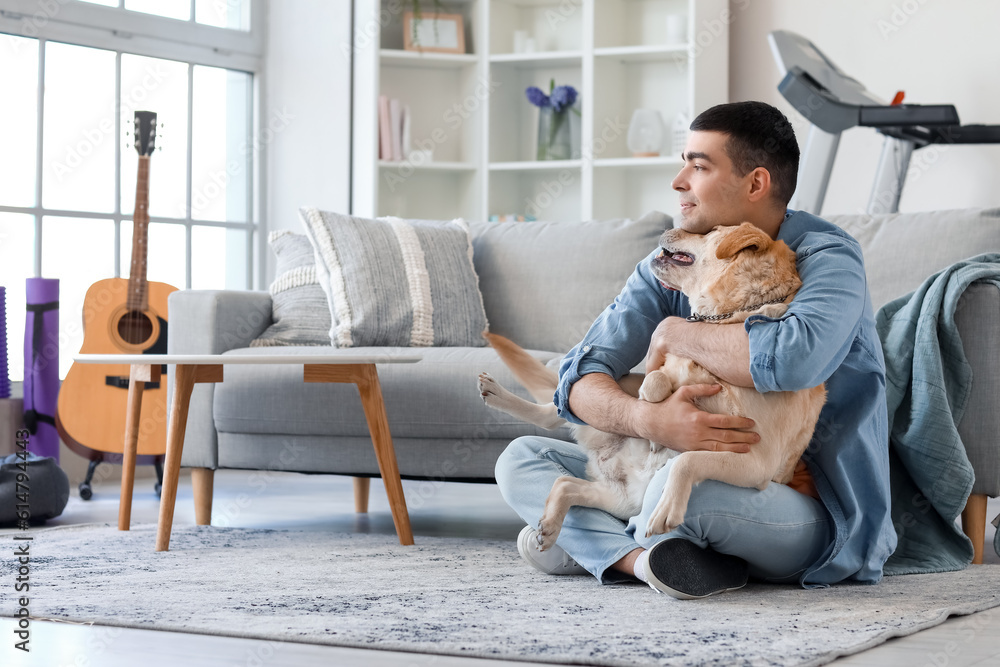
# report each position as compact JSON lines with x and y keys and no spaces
{"x":145,"y":132}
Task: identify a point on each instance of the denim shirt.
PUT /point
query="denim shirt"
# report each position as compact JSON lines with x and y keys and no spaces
{"x":827,"y":335}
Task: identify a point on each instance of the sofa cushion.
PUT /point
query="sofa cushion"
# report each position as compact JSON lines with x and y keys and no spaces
{"x":436,"y":397}
{"x":544,"y":283}
{"x":394,"y":282}
{"x":902,"y":249}
{"x":299,"y":310}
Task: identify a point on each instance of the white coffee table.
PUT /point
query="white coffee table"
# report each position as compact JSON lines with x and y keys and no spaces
{"x":191,"y":369}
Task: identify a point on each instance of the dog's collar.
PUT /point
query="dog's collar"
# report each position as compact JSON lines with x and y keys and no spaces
{"x":695,"y":317}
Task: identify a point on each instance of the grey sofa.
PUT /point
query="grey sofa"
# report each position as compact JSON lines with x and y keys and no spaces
{"x":542,"y":284}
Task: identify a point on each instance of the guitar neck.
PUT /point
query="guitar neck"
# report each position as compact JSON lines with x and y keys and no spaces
{"x":138,"y":293}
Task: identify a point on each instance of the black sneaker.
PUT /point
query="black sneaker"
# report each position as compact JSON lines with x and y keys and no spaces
{"x":684,"y":570}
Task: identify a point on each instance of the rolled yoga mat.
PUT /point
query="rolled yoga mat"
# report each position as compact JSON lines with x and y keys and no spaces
{"x":41,"y":365}
{"x":4,"y":377}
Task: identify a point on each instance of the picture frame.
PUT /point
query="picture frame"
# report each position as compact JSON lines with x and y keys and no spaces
{"x":434,"y":32}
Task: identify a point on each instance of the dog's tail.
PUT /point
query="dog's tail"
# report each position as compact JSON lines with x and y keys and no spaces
{"x":537,"y":378}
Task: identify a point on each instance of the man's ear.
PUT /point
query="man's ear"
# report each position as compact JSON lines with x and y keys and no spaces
{"x":747,"y":235}
{"x":760,"y":184}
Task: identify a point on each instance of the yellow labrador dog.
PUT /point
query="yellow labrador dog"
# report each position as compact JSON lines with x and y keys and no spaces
{"x":727,"y":274}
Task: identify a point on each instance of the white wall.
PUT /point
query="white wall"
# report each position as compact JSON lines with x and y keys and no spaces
{"x":306,"y":119}
{"x":938,"y":52}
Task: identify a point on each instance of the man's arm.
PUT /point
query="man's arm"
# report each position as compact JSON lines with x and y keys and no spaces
{"x":721,"y":349}
{"x":676,"y":422}
{"x":616,"y":342}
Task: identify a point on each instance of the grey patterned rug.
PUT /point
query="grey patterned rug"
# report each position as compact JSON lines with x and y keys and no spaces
{"x":458,"y":597}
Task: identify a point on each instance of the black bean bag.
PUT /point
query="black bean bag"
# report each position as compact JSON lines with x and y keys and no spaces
{"x":47,"y":489}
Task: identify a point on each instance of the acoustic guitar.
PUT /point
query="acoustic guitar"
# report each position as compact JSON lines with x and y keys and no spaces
{"x":126,"y":316}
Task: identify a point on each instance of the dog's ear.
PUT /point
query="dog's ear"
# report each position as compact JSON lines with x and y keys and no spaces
{"x":742,"y":238}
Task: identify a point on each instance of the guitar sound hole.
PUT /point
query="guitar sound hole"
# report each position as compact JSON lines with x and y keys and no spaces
{"x":135,"y":327}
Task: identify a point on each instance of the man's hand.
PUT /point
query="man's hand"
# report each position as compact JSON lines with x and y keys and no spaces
{"x":721,"y":349}
{"x":659,"y":345}
{"x":681,"y":425}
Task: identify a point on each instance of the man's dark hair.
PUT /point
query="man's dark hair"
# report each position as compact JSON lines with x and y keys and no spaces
{"x":759,"y":136}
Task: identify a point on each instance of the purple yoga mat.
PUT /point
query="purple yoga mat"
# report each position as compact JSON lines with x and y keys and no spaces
{"x":41,"y":365}
{"x":4,"y":377}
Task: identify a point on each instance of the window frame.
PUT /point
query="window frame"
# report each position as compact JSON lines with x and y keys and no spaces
{"x":121,"y":31}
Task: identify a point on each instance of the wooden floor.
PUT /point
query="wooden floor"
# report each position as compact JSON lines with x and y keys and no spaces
{"x":325,"y":503}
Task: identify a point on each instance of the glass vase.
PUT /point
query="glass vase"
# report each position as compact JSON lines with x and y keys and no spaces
{"x":558,"y":134}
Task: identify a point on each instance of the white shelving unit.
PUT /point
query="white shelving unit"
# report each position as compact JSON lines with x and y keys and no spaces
{"x":472,"y":111}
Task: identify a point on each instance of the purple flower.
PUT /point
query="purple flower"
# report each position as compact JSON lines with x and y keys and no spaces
{"x":563,"y":97}
{"x":537,"y":97}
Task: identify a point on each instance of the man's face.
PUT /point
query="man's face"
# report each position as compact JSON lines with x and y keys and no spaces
{"x":710,"y":193}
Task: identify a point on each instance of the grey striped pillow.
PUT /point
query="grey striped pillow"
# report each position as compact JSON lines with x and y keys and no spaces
{"x":299,"y":310}
{"x":395,"y":282}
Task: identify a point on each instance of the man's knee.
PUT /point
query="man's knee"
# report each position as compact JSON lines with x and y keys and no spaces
{"x":519,"y":451}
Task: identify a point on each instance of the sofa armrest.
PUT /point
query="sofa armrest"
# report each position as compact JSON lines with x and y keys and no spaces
{"x":215,"y":321}
{"x":210,"y":322}
{"x":978,"y":319}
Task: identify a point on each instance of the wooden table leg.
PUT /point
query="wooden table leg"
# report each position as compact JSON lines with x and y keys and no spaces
{"x":185,"y":377}
{"x":378,"y":425}
{"x":131,"y":446}
{"x":361,"y":487}
{"x":202,"y":485}
{"x":365,"y":376}
{"x":139,"y":375}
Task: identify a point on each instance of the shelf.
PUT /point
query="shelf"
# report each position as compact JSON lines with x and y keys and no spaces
{"x":531,"y":3}
{"x":427,"y":60}
{"x":639,"y":162}
{"x":539,"y":59}
{"x":427,"y":166}
{"x":471,"y":108}
{"x":643,"y":53}
{"x":536,"y":165}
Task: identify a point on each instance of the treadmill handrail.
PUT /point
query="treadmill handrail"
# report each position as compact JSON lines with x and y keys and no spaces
{"x":832,"y":115}
{"x":908,"y":114}
{"x":815,"y":102}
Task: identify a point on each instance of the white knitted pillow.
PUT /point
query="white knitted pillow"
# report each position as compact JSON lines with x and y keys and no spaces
{"x":298,"y":304}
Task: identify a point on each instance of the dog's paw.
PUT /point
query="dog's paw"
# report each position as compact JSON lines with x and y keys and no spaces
{"x":495,"y":396}
{"x":774,"y":310}
{"x":668,"y":513}
{"x":656,"y":387}
{"x":487,"y":386}
{"x":548,"y":531}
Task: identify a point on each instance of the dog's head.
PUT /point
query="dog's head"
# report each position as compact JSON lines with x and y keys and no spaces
{"x":726,"y":270}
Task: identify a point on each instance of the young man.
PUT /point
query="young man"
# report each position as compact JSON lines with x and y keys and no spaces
{"x":832,"y":523}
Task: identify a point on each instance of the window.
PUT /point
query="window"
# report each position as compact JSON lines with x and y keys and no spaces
{"x":73,"y":73}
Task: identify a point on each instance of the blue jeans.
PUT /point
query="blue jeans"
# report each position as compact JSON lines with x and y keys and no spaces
{"x":778,"y":531}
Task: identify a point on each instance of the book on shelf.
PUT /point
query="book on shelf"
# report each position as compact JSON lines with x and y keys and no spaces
{"x":512,"y":217}
{"x":384,"y":132}
{"x":396,"y":125}
{"x":393,"y":129}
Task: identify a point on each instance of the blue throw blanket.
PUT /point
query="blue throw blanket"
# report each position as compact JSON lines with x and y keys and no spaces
{"x":928,"y":380}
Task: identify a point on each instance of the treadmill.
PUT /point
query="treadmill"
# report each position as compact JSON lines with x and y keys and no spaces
{"x":833,"y":102}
